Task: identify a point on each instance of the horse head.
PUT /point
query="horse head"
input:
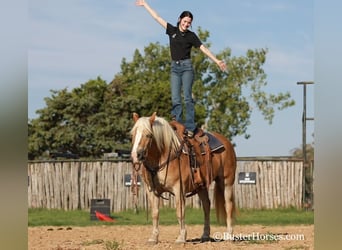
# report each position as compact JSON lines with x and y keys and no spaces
{"x":153,"y":138}
{"x":142,"y":136}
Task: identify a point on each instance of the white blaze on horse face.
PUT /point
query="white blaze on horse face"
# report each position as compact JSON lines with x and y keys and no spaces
{"x":137,"y":139}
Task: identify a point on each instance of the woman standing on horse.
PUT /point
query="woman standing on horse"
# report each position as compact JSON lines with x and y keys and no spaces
{"x":182,"y":73}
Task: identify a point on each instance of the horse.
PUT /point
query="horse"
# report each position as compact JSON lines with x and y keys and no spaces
{"x":157,"y":147}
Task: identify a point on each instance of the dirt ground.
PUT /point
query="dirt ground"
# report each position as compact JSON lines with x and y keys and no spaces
{"x":135,"y":237}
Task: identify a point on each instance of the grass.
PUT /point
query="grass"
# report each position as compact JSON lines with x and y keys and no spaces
{"x":53,"y":217}
{"x":288,"y":216}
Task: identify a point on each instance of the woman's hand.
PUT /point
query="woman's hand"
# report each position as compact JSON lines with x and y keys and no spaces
{"x":222,"y":65}
{"x":140,"y":3}
{"x":152,"y":12}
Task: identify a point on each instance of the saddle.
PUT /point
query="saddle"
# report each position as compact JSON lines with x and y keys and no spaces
{"x":199,"y":149}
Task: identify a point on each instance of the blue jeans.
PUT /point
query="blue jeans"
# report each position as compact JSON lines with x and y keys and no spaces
{"x":182,"y":76}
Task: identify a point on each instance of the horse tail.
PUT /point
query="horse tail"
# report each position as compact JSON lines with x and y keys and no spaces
{"x":221,"y":214}
{"x":220,"y":207}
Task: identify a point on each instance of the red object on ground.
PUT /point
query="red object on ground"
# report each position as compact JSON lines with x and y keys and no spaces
{"x":103,"y":217}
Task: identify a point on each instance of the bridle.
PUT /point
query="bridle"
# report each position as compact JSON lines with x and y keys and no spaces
{"x":137,"y":166}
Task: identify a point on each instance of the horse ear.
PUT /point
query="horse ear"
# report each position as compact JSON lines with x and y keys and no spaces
{"x":135,"y":117}
{"x":153,"y":117}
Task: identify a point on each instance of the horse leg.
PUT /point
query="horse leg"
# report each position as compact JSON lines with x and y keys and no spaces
{"x":229,"y":199}
{"x":180,"y":206}
{"x":204,"y":197}
{"x":154,"y":200}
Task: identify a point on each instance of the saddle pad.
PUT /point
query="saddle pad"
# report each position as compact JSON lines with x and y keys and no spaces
{"x":214,"y":143}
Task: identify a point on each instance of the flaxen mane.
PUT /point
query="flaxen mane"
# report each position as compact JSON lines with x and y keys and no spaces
{"x":163,"y":133}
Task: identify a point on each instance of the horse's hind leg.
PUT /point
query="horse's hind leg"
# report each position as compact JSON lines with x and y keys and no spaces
{"x":154,"y":200}
{"x":229,"y":199}
{"x":203,"y":195}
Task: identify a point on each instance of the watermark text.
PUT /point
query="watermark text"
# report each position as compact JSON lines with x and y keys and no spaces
{"x":255,"y":236}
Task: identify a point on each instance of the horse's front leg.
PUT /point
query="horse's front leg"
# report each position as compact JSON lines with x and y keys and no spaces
{"x":180,"y":206}
{"x":204,"y":197}
{"x":154,"y":201}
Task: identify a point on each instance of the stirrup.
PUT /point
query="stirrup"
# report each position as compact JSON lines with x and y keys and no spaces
{"x":189,"y":134}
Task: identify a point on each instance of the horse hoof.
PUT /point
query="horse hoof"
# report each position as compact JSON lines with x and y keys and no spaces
{"x":181,"y":237}
{"x":180,"y":241}
{"x":205,"y":238}
{"x":152,"y":242}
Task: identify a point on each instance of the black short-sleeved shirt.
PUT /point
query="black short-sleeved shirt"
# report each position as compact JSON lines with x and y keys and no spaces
{"x":181,"y":42}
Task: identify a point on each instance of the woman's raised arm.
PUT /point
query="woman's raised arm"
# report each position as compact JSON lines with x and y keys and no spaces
{"x":153,"y":13}
{"x":220,"y":63}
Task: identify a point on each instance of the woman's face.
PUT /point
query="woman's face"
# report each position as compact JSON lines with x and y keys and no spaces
{"x":185,"y":23}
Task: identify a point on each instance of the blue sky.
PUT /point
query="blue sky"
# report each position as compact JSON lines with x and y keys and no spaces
{"x":73,"y":41}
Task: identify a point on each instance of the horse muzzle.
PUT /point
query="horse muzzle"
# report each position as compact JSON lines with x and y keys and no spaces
{"x":139,"y":156}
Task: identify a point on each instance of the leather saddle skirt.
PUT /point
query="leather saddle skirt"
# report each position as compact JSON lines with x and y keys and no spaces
{"x":214,"y":143}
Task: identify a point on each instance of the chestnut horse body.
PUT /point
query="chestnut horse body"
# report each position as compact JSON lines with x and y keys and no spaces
{"x":165,"y":168}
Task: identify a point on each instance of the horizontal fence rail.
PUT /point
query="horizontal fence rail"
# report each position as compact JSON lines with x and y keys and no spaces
{"x":71,"y":185}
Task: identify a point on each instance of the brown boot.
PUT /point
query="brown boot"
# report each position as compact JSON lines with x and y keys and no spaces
{"x":199,"y":132}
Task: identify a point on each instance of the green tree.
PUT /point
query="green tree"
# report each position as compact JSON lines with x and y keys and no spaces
{"x":84,"y":121}
{"x":308,"y":170}
{"x":147,"y":78}
{"x":310,"y":152}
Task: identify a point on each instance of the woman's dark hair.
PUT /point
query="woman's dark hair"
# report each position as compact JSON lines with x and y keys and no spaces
{"x":185,"y":13}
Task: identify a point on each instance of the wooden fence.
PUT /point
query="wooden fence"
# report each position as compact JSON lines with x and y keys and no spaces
{"x":71,"y":185}
{"x":278,"y":184}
